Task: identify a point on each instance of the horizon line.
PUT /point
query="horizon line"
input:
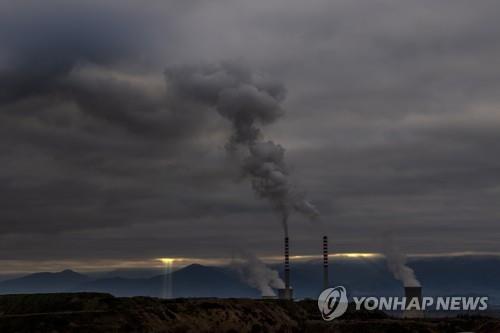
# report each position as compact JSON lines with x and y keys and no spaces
{"x":12,"y":267}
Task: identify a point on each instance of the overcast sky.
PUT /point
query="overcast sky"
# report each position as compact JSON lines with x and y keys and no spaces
{"x":391,"y":125}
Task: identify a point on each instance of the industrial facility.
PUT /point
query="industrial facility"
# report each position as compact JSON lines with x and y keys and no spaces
{"x":412,"y":293}
{"x":287,"y":292}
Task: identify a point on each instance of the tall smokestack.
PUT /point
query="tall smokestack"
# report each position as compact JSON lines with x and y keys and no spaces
{"x":287,"y":292}
{"x":287,"y":264}
{"x":325,"y":262}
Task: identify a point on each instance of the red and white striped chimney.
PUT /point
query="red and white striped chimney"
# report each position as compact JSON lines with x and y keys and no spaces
{"x":325,"y":262}
{"x":287,"y":265}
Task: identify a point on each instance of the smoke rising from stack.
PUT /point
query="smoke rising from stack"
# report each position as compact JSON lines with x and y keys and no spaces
{"x":397,"y":265}
{"x":257,"y":274}
{"x":249,"y":101}
{"x":396,"y":262}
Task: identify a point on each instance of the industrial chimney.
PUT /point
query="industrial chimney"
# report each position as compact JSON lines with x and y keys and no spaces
{"x":412,"y":293}
{"x":325,"y":262}
{"x":287,"y":292}
{"x":287,"y":264}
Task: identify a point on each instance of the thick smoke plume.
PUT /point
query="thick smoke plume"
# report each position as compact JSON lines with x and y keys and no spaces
{"x":258,"y":275}
{"x":249,"y":101}
{"x":396,"y":262}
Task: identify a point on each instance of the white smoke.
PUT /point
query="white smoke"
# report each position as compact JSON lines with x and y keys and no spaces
{"x":248,"y":100}
{"x":396,"y":262}
{"x":257,"y":274}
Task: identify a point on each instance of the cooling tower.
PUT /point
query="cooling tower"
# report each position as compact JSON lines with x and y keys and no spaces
{"x":410,"y":294}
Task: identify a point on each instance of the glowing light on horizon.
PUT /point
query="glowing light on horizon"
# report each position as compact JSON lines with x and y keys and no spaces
{"x":302,"y":257}
{"x":167,"y":261}
{"x":167,"y":277}
{"x":356,"y":255}
{"x":348,"y":255}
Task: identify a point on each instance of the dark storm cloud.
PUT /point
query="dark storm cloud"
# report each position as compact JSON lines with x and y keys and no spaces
{"x":392,"y":123}
{"x":86,"y":131}
{"x":41,"y":43}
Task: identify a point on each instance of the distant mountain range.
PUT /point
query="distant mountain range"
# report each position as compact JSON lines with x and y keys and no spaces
{"x":439,"y":276}
{"x":43,"y":282}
